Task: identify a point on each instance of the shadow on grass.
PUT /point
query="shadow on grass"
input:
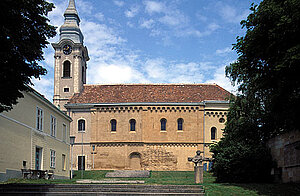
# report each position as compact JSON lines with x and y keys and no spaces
{"x":292,"y":189}
{"x":213,"y":188}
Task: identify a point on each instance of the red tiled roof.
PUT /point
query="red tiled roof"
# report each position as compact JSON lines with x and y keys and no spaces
{"x":150,"y":93}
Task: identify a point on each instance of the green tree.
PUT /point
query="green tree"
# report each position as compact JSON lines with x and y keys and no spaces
{"x":267,"y":75}
{"x":24,"y":30}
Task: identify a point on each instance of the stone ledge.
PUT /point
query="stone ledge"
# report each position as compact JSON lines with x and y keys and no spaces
{"x":128,"y":174}
{"x":110,"y":181}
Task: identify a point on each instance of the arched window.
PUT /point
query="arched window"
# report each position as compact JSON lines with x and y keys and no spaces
{"x":163,"y":124}
{"x":81,"y":125}
{"x":113,"y":125}
{"x":180,"y":124}
{"x":67,"y":69}
{"x":213,"y":132}
{"x":132,"y":124}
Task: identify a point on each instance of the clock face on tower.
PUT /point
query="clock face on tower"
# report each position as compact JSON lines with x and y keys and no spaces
{"x":67,"y":49}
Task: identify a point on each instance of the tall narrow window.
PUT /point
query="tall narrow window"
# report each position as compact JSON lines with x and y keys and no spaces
{"x":39,"y":119}
{"x":52,"y":158}
{"x":63,"y":159}
{"x":213,"y":132}
{"x":180,"y":124}
{"x":82,"y":75}
{"x":163,"y":124}
{"x":113,"y":125}
{"x":53,"y":126}
{"x":81,"y":125}
{"x":67,"y":69}
{"x":64,"y":130}
{"x":132,"y":124}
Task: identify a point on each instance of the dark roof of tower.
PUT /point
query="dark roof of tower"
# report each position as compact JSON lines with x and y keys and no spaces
{"x":150,"y":93}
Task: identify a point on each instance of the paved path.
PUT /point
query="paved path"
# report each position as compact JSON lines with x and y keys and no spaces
{"x":99,"y":189}
{"x":86,"y":181}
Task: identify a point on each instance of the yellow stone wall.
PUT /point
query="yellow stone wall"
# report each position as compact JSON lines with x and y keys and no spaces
{"x":158,"y":150}
{"x":147,"y":147}
{"x":82,"y":137}
{"x":19,"y":137}
{"x":213,"y":113}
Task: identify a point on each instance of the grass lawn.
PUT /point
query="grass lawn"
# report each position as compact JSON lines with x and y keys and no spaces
{"x":156,"y":177}
{"x":186,"y":178}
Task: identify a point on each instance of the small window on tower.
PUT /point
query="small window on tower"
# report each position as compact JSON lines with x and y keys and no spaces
{"x":82,"y":75}
{"x":66,"y":90}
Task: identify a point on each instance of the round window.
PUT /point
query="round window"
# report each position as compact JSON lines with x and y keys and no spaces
{"x":221,"y":120}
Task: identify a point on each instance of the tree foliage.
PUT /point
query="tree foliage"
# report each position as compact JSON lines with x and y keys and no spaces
{"x":241,"y":156}
{"x":268,"y":65}
{"x":24,"y":30}
{"x":266,"y":73}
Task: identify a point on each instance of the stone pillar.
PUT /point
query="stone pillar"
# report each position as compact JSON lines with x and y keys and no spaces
{"x":198,"y":174}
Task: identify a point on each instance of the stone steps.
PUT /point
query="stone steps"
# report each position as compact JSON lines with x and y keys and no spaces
{"x":99,"y":189}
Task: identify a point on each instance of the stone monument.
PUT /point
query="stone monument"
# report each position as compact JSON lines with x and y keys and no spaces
{"x":198,"y":168}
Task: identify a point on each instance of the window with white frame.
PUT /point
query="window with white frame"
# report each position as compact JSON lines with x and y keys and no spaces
{"x":53,"y":126}
{"x":81,"y":125}
{"x":64,"y":130}
{"x":52,"y":158}
{"x":39,"y":119}
{"x":63,"y":158}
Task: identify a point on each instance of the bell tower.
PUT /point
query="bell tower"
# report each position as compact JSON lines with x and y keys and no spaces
{"x":70,"y":59}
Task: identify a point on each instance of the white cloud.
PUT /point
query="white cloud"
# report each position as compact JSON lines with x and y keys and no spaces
{"x":100,"y":34}
{"x":155,"y":68}
{"x":44,"y":86}
{"x":231,"y":14}
{"x":119,"y":3}
{"x":201,"y":17}
{"x":220,"y":78}
{"x":163,"y":71}
{"x":171,"y":20}
{"x":132,"y":12}
{"x":224,"y":51}
{"x":84,"y":7}
{"x":130,"y":24}
{"x":148,"y":24}
{"x":212,"y":27}
{"x":99,"y":16}
{"x":197,"y":33}
{"x":111,"y":73}
{"x":153,"y":6}
{"x":174,"y":23}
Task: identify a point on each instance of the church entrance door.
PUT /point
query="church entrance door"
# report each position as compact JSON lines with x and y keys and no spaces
{"x":135,"y":161}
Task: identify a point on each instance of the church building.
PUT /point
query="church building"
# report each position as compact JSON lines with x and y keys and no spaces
{"x":132,"y":126}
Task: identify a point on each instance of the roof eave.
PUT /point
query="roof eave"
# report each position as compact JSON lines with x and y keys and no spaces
{"x":89,"y":105}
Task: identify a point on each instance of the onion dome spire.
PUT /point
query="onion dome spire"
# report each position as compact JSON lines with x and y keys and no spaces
{"x":70,"y":29}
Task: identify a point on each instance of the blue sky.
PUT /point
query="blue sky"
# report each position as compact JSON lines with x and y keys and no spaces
{"x":145,"y":41}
